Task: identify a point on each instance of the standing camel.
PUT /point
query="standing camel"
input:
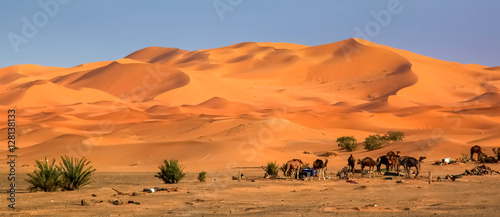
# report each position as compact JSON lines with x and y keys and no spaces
{"x":410,"y":162}
{"x":475,"y":149}
{"x":388,"y":162}
{"x":497,"y":153}
{"x":367,"y":162}
{"x":351,"y":162}
{"x":319,"y":165}
{"x":293,"y":165}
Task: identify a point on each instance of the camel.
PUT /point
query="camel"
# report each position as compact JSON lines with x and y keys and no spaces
{"x":319,"y":165}
{"x":391,"y":153}
{"x":367,"y":162}
{"x":351,"y":162}
{"x":388,"y":162}
{"x":475,"y":149}
{"x":398,"y":161}
{"x":293,"y":165}
{"x":410,"y":162}
{"x":497,"y":153}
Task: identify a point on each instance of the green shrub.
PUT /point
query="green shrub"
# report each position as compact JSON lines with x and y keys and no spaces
{"x":348,"y":143}
{"x":47,"y":178}
{"x":283,"y":169}
{"x":394,"y":136}
{"x":202,"y":176}
{"x":374,"y":142}
{"x":170,"y":172}
{"x":75,"y":172}
{"x":271,"y":169}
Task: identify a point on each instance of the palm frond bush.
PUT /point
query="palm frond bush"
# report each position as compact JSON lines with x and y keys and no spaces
{"x":202,"y":176}
{"x":170,"y":172}
{"x":46,"y":178}
{"x":271,"y":169}
{"x":75,"y":172}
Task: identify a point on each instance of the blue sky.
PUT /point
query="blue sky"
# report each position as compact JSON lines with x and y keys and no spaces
{"x":72,"y":32}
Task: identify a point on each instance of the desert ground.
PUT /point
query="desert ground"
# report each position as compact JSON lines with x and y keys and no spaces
{"x":244,"y":105}
{"x":221,"y":196}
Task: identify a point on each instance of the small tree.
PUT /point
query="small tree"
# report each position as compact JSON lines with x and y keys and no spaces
{"x":394,"y":136}
{"x":271,"y":169}
{"x":170,"y":172}
{"x":47,"y":178}
{"x":202,"y":176}
{"x":74,"y":172}
{"x":348,"y":143}
{"x":374,"y":142}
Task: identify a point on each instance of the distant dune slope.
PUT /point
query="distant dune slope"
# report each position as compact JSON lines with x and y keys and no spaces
{"x":224,"y":102}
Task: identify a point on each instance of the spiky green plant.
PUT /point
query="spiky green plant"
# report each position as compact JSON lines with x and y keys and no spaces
{"x":202,"y":176}
{"x":271,"y":169}
{"x":170,"y":172}
{"x":283,"y":169}
{"x":46,"y":178}
{"x":75,"y":172}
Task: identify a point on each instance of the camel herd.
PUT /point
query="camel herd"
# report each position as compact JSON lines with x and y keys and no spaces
{"x":482,"y":157}
{"x":392,"y":161}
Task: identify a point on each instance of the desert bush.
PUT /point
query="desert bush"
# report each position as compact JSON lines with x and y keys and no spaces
{"x":374,"y":142}
{"x":170,"y":172}
{"x":329,"y":153}
{"x":202,"y":176}
{"x":348,"y":143}
{"x":394,"y":136}
{"x":464,"y":158}
{"x":283,"y":169}
{"x":46,"y":178}
{"x":271,"y":169}
{"x":75,"y":172}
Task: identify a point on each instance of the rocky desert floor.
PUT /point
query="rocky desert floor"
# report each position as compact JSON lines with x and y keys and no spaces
{"x":257,"y":196}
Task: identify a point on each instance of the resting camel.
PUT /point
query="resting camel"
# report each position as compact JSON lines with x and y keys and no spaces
{"x":475,"y":149}
{"x":319,"y":165}
{"x":410,"y":162}
{"x":388,"y":162}
{"x":351,"y":162}
{"x":293,"y":165}
{"x":367,"y":162}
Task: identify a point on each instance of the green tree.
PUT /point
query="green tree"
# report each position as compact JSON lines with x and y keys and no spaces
{"x":348,"y":143}
{"x":170,"y":172}
{"x":394,"y":136}
{"x":374,"y":142}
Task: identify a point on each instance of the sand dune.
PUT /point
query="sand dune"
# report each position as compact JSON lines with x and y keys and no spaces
{"x":219,"y":107}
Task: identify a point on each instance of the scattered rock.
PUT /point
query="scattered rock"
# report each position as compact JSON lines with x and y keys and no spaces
{"x":189,"y":203}
{"x":200,"y":200}
{"x":361,"y":187}
{"x":135,"y":194}
{"x":134,"y":202}
{"x":407,"y":208}
{"x":96,"y":201}
{"x":84,"y":203}
{"x":94,"y":195}
{"x":253,"y":180}
{"x":116,"y":202}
